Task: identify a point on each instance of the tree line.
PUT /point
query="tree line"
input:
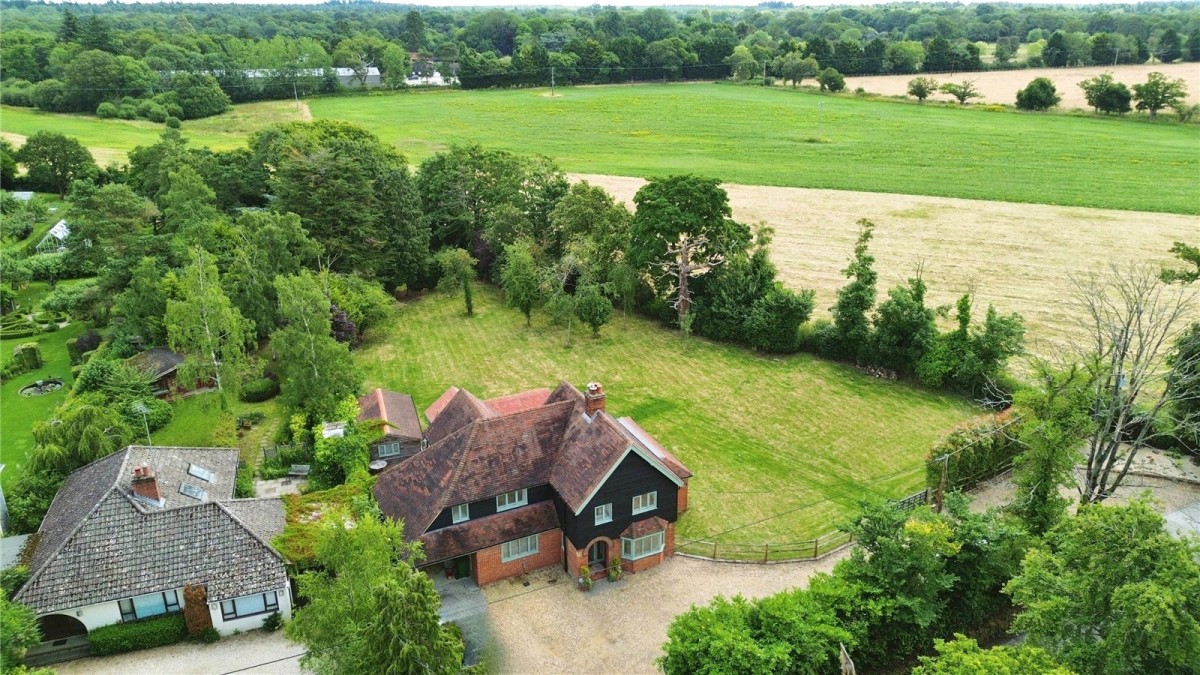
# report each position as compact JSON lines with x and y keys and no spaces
{"x":162,"y":61}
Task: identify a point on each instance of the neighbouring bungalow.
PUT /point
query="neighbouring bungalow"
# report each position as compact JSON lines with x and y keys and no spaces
{"x":532,"y":480}
{"x":149,"y":531}
{"x":161,"y":364}
{"x":401,"y":427}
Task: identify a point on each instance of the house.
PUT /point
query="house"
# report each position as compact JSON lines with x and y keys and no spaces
{"x":540,"y":478}
{"x":161,"y":364}
{"x":55,"y":240}
{"x":149,"y":531}
{"x":401,"y":428}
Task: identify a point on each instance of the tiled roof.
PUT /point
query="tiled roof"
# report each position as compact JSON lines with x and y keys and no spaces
{"x":519,"y":402}
{"x":440,"y":404}
{"x":474,"y":535}
{"x":99,"y":543}
{"x":475,"y":453}
{"x":397,"y":410}
{"x":644,"y":527}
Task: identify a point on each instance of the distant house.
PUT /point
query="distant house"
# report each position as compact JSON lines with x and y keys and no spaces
{"x":401,"y":427}
{"x":149,"y":531}
{"x":55,"y":240}
{"x":161,"y":364}
{"x":21,"y":196}
{"x":434,"y":79}
{"x":532,"y":480}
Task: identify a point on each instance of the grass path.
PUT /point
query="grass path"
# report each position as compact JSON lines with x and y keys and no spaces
{"x":764,"y":436}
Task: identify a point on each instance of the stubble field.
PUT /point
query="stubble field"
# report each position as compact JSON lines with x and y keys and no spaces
{"x":1001,"y":86}
{"x":1020,"y":257}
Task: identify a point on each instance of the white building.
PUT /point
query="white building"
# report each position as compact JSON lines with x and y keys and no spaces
{"x":149,"y":531}
{"x":55,"y":240}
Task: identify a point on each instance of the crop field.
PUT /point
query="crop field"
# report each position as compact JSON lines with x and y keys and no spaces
{"x":1001,"y":86}
{"x":769,"y":439}
{"x":1020,"y":257}
{"x":779,"y":137}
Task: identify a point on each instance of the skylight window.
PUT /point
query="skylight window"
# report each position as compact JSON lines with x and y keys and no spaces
{"x":193,"y":492}
{"x":200,"y":472}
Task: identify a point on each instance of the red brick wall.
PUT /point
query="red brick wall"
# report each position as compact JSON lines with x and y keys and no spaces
{"x":489,"y":569}
{"x":682,"y":499}
{"x":577,"y":558}
{"x":653,"y":560}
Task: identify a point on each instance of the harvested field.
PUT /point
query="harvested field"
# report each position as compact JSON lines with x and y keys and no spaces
{"x":1018,"y":256}
{"x":1001,"y":86}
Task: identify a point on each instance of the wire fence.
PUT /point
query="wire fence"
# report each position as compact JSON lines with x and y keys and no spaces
{"x":810,"y":549}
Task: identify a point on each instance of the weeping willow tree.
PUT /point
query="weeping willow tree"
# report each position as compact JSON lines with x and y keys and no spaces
{"x":82,"y":431}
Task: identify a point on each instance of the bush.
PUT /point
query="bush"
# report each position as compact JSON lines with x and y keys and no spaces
{"x":243,"y":486}
{"x":18,"y":93}
{"x":259,"y":390}
{"x":106,"y":110}
{"x":159,"y":414}
{"x":774,"y":321}
{"x":156,"y":113}
{"x":127,"y":112}
{"x":128,"y":637}
{"x":831,"y":80}
{"x":173,"y":122}
{"x":1040,"y":94}
{"x":274,"y":621}
{"x":207,"y":636}
{"x":29,"y":355}
{"x":979,"y":450}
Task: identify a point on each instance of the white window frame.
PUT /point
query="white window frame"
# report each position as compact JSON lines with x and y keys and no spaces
{"x":511,"y":500}
{"x":519,"y":548}
{"x":646,"y":502}
{"x":651,"y":544}
{"x":389,"y":449}
{"x":460,"y":513}
{"x":603,"y":513}
{"x":229,"y":608}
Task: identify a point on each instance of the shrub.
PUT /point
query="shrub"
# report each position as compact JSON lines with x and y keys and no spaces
{"x":1039,"y":94}
{"x":127,"y":112}
{"x":774,"y":321}
{"x":831,"y":80}
{"x":128,"y":637}
{"x":259,"y":389}
{"x":979,"y":450}
{"x":614,"y":571}
{"x":156,"y":113}
{"x":207,"y":636}
{"x":106,"y":110}
{"x":274,"y":621}
{"x":243,"y":486}
{"x":173,"y":122}
{"x":18,"y":93}
{"x":585,"y":578}
{"x":159,"y":413}
{"x":29,"y":355}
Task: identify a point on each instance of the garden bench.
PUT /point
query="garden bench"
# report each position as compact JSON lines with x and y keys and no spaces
{"x":300,"y":470}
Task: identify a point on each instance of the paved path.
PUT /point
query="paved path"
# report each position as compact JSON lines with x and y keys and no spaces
{"x":261,"y":652}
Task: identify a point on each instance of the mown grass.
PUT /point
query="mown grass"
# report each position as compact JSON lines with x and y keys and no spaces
{"x":763,"y":136}
{"x":111,"y":140}
{"x":198,"y":422}
{"x":18,"y":413}
{"x":782,"y":448}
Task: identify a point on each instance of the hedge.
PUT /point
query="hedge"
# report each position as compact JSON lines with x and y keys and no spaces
{"x":259,"y":390}
{"x":979,"y":450}
{"x":146,"y":634}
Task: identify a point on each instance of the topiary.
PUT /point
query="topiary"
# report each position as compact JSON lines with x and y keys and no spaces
{"x":259,"y":389}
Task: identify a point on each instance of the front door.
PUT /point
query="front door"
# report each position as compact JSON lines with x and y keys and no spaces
{"x":598,"y":556}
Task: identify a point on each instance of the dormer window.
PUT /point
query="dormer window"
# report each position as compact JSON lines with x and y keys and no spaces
{"x":460,"y":513}
{"x":511,"y":500}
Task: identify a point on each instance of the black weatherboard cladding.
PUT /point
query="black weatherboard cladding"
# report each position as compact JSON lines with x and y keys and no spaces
{"x":634,"y":476}
{"x":486,"y":507}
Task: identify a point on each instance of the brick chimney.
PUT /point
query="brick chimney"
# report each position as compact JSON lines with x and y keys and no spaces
{"x":594,"y":398}
{"x":145,"y":485}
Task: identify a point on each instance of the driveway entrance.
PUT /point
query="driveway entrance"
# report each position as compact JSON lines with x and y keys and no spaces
{"x":463,"y":604}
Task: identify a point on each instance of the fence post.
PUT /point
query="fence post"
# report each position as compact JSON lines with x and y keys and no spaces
{"x":714,"y":550}
{"x":766,"y":552}
{"x":816,"y":547}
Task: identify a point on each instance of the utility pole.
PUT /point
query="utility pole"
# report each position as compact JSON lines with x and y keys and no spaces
{"x":296,"y":94}
{"x":1116,"y":53}
{"x":764,"y":73}
{"x":551,"y":80}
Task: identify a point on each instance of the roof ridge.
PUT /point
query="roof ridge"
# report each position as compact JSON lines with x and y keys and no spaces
{"x":379,"y":400}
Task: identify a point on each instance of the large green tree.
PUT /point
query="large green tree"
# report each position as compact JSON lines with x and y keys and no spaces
{"x":369,"y":609}
{"x":851,"y":334}
{"x":1111,"y":591}
{"x":458,"y":273}
{"x":54,"y":161}
{"x":206,"y":328}
{"x":1158,"y":92}
{"x":266,"y":245}
{"x":317,"y":371}
{"x":683,"y":229}
{"x":519,"y":278}
{"x":19,"y":626}
{"x":904,"y":327}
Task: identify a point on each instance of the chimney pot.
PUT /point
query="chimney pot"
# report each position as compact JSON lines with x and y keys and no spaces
{"x":144,"y":483}
{"x":594,"y":398}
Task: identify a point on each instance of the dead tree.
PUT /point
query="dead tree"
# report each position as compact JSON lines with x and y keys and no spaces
{"x":1131,"y":319}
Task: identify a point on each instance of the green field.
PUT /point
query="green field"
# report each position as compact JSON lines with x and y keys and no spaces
{"x":764,"y":436}
{"x":113,"y":139}
{"x":18,"y":413}
{"x":759,"y":136}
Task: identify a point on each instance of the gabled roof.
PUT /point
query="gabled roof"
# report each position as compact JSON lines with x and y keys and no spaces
{"x":396,"y":410}
{"x":475,"y":452}
{"x":99,"y":543}
{"x":157,"y":361}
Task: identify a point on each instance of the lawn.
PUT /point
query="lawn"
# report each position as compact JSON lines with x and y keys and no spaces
{"x":198,"y":422}
{"x":765,"y":136}
{"x":111,"y":140}
{"x":18,"y":413}
{"x":782,"y":448}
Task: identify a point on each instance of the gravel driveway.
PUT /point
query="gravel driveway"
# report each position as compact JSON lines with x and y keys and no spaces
{"x":228,"y":655}
{"x":550,"y":627}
